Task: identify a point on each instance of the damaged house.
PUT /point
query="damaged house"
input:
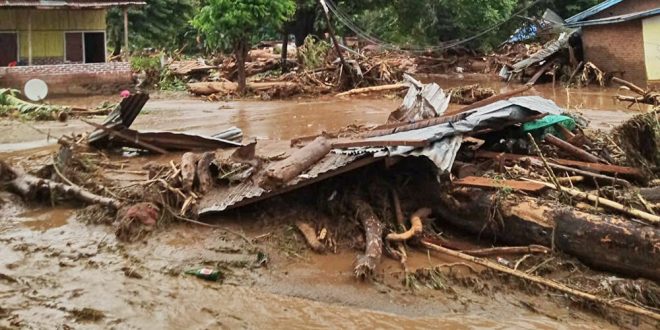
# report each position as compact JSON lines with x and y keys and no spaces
{"x":623,"y":37}
{"x":60,"y":42}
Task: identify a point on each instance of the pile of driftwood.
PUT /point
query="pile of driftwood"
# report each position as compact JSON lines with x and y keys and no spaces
{"x":525,"y":184}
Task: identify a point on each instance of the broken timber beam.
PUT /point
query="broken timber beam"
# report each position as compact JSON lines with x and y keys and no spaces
{"x":571,"y":149}
{"x":592,"y":167}
{"x":493,"y":99}
{"x":476,"y":181}
{"x":380,"y":143}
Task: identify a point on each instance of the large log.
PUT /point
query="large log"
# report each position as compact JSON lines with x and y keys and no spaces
{"x":227,"y":87}
{"x":521,"y":222}
{"x":280,"y":173}
{"x":373,"y":232}
{"x":607,"y":242}
{"x":610,"y":243}
{"x":30,"y":186}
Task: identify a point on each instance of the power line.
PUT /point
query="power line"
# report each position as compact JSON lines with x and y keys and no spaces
{"x":344,"y":18}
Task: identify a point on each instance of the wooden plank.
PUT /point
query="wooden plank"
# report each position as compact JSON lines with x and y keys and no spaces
{"x":477,"y":181}
{"x":597,"y":167}
{"x":383,"y":143}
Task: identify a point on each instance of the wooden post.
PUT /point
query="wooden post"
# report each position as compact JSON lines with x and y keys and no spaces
{"x":126,"y":29}
{"x":29,"y":27}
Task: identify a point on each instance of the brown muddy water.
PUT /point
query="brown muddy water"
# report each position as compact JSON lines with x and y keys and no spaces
{"x":297,"y":117}
{"x":57,"y":272}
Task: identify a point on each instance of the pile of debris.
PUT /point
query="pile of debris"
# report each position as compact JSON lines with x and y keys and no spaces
{"x":519,"y":171}
{"x":12,"y":106}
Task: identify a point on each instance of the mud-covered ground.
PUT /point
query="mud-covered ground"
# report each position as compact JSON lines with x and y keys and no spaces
{"x":58,"y":272}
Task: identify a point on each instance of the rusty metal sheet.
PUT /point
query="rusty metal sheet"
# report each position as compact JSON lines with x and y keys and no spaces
{"x":120,"y":118}
{"x":477,"y":181}
{"x":178,"y":141}
{"x":227,"y":197}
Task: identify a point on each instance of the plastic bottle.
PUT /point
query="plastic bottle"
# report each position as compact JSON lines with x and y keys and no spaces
{"x":204,"y":273}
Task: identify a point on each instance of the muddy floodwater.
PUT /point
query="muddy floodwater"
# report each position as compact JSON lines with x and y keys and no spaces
{"x":298,"y":117}
{"x":57,"y":272}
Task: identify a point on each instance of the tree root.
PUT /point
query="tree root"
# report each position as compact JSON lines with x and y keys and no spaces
{"x":415,"y":226}
{"x":309,"y":234}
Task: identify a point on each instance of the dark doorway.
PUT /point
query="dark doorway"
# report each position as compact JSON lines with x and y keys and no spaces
{"x":74,"y":47}
{"x":8,"y":48}
{"x":94,"y":47}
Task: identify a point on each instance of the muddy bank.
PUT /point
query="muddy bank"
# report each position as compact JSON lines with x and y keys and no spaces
{"x":60,"y":272}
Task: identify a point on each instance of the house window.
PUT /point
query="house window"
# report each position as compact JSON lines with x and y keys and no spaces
{"x":8,"y":48}
{"x":84,"y":47}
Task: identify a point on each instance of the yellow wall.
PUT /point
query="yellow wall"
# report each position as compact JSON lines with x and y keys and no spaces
{"x":48,"y":27}
{"x":652,"y":47}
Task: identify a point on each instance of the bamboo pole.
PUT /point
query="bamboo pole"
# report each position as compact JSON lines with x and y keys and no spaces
{"x":545,"y":282}
{"x":605,"y":202}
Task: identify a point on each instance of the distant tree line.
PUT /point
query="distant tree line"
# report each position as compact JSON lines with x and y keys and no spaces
{"x":199,"y":26}
{"x":168,"y":24}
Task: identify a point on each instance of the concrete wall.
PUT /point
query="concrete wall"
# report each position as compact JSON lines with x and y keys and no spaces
{"x":48,"y":28}
{"x":72,"y":79}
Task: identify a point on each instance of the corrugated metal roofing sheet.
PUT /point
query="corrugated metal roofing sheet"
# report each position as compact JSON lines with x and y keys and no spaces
{"x":446,"y":138}
{"x":246,"y":192}
{"x":593,"y":10}
{"x":617,"y":19}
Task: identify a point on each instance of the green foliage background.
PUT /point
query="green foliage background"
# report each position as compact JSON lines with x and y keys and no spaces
{"x":173,"y":24}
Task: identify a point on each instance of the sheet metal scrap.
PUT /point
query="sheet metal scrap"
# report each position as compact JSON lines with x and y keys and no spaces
{"x":445,"y":139}
{"x":548,"y":50}
{"x":123,"y":116}
{"x":246,"y":192}
{"x":120,"y":118}
{"x":177,"y":141}
{"x":422,"y":101}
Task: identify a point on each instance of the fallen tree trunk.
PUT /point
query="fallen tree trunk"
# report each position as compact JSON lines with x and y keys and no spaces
{"x":651,"y":194}
{"x":382,"y":88}
{"x":280,"y":173}
{"x":373,"y":231}
{"x":227,"y":87}
{"x":30,"y":186}
{"x":607,"y":242}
